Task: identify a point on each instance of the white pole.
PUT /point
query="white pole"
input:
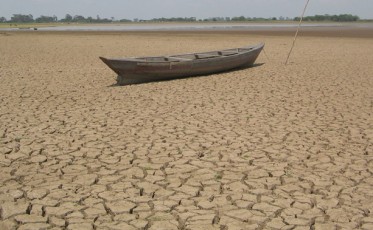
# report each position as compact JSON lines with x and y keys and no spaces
{"x":296,"y":34}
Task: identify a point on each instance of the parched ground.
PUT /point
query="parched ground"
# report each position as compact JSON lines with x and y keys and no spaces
{"x":269,"y":147}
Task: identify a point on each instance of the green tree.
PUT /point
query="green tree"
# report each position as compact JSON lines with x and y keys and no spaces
{"x":79,"y":18}
{"x":68,"y":18}
{"x":125,"y":20}
{"x":45,"y":19}
{"x":21,"y":18}
{"x":241,"y":18}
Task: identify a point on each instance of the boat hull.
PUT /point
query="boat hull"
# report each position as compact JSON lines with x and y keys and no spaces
{"x":139,"y":70}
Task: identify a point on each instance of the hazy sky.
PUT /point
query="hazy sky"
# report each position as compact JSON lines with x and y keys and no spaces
{"x":148,"y":9}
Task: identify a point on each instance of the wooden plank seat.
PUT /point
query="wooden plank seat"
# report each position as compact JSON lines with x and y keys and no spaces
{"x":227,"y":53}
{"x":201,"y":56}
{"x":178,"y":59}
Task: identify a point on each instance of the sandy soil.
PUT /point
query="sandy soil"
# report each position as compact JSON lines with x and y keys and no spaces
{"x":269,"y":147}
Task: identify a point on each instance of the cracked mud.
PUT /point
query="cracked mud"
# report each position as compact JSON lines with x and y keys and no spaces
{"x":269,"y":147}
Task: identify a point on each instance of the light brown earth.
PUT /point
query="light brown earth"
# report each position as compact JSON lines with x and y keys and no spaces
{"x":269,"y":147}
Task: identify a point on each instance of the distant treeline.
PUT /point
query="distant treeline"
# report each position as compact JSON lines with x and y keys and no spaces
{"x":21,"y":18}
{"x":333,"y":18}
{"x":212,"y":19}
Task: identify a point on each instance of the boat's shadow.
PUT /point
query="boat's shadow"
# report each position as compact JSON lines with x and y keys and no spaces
{"x":196,"y":76}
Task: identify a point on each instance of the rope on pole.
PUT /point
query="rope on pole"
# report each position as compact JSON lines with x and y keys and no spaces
{"x":296,"y":34}
{"x":266,"y":54}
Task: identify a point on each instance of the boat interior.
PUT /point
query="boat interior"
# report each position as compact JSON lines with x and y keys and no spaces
{"x":195,"y":56}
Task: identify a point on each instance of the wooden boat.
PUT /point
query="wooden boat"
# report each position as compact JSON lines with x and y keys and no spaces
{"x":145,"y":69}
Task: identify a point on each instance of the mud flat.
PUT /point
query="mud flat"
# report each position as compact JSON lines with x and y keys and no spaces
{"x":269,"y":147}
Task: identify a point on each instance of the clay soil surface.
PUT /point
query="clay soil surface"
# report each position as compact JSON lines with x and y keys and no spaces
{"x":268,"y":147}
